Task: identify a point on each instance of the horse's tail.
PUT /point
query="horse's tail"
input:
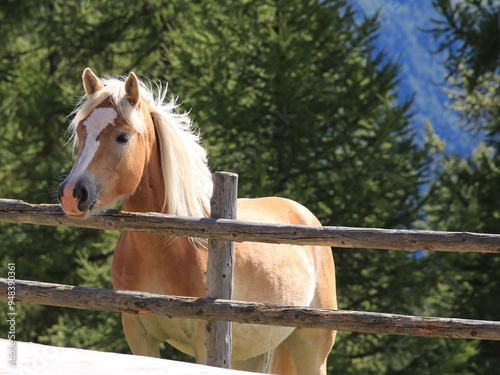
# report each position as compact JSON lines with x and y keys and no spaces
{"x":282,"y":361}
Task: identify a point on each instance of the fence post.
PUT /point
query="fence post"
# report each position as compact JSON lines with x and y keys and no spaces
{"x":218,"y":334}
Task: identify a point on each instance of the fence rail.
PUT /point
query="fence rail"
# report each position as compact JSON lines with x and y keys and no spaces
{"x":246,"y":312}
{"x":219,"y":231}
{"x":16,"y":211}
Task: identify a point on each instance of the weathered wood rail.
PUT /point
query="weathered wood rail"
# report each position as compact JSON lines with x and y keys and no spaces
{"x":246,"y":312}
{"x":219,"y":310}
{"x":15,"y":211}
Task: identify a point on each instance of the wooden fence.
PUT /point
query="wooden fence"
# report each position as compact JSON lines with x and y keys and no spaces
{"x":218,"y":306}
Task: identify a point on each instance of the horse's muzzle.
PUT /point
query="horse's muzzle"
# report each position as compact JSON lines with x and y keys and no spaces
{"x":78,"y":197}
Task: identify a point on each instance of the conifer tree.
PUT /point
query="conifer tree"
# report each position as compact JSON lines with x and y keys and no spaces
{"x":289,"y":94}
{"x":464,"y":196}
{"x":293,"y":97}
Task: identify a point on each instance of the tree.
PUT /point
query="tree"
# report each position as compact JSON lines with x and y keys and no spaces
{"x":469,"y":32}
{"x":45,"y":47}
{"x":293,"y":97}
{"x":464,"y":195}
{"x":289,"y":94}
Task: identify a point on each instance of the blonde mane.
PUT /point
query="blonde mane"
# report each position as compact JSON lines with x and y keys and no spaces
{"x":186,"y":176}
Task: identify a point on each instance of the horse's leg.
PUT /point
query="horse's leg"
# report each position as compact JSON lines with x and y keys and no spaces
{"x":138,"y":339}
{"x":282,"y":362}
{"x":309,"y":349}
{"x":255,"y":364}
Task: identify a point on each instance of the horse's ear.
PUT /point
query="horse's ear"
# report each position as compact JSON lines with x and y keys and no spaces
{"x":91,"y":83}
{"x":132,"y":89}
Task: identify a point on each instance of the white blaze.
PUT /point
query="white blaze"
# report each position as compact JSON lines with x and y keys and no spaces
{"x":94,"y":125}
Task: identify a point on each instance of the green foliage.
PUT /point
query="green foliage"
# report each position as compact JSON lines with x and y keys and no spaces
{"x":288,"y":103}
{"x":464,"y":195}
{"x":289,"y":94}
{"x":464,"y":199}
{"x":35,"y":97}
{"x":478,"y":104}
{"x":469,"y":31}
{"x":292,"y":96}
{"x":89,"y":329}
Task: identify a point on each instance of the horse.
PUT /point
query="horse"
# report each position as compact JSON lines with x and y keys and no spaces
{"x":134,"y":146}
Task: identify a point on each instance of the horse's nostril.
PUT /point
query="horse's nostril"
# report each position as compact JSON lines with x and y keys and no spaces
{"x":78,"y":197}
{"x":81,"y":194}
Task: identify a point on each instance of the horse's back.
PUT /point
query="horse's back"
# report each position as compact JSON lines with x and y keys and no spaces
{"x":275,"y":210}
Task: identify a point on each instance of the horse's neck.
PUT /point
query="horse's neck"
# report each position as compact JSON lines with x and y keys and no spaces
{"x":180,"y":265}
{"x":149,"y":195}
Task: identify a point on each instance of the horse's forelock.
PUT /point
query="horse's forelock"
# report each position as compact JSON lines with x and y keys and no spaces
{"x":113,"y":90}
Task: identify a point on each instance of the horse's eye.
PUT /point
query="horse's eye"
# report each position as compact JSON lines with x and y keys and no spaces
{"x":123,"y":138}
